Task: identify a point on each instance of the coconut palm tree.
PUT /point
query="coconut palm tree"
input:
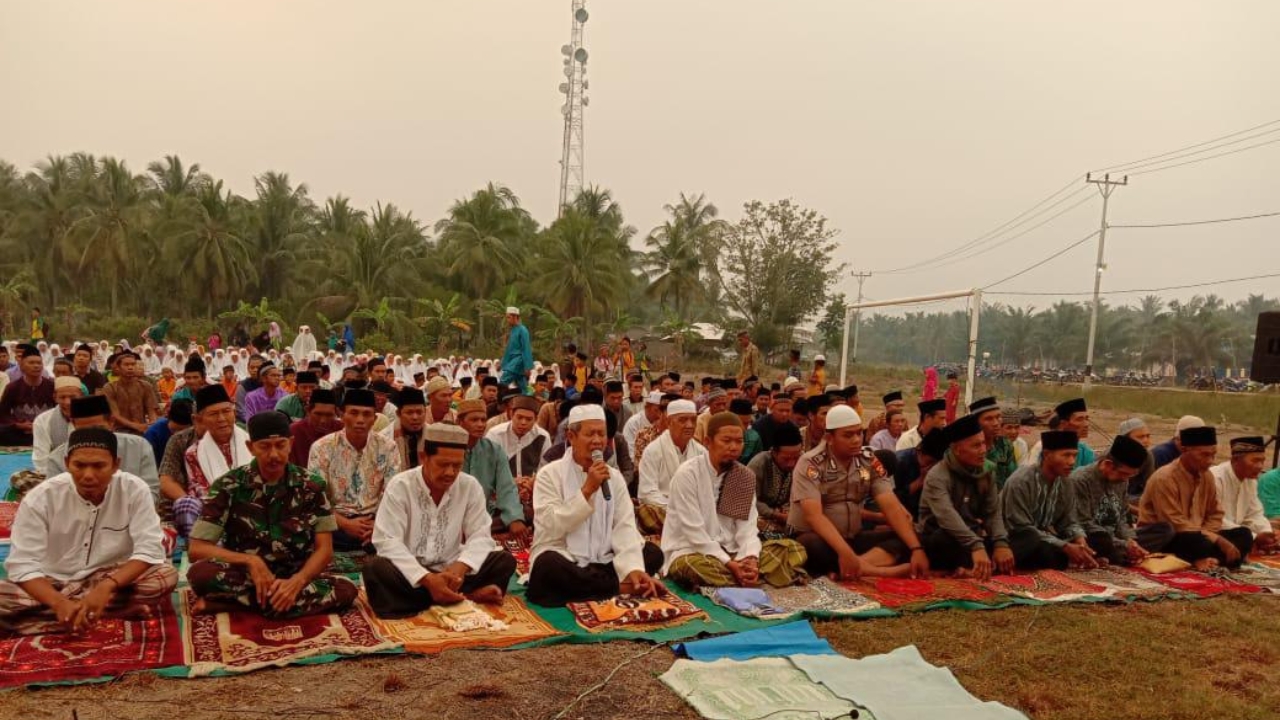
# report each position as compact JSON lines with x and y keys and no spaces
{"x":281,"y":224}
{"x":578,"y":266}
{"x":209,"y":249}
{"x":674,"y":265}
{"x":364,"y":259}
{"x":110,"y":231}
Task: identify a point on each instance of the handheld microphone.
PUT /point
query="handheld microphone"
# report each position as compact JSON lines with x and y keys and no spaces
{"x":598,"y":456}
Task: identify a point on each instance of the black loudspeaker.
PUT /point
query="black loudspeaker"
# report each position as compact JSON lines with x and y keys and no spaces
{"x":1266,"y":349}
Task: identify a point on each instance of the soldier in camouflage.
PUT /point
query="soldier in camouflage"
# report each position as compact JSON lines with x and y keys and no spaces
{"x":265,"y":535}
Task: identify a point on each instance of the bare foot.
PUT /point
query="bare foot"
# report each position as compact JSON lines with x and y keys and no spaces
{"x":1205,"y":564}
{"x":487,"y":595}
{"x":869,"y":570}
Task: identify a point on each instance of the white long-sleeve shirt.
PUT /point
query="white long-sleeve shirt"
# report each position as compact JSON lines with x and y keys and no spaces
{"x":1239,"y":500}
{"x":49,"y":430}
{"x":659,"y":464}
{"x":59,"y":535}
{"x":693,"y":525}
{"x":603,"y":531}
{"x":634,"y":425}
{"x":418,"y":536}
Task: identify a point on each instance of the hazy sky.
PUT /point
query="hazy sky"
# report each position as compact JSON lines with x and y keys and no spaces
{"x":913,"y":126}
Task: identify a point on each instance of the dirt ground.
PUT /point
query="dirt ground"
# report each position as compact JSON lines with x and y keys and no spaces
{"x":1214,"y":658}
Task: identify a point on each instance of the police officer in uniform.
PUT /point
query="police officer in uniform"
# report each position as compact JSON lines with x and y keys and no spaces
{"x":829,"y":487}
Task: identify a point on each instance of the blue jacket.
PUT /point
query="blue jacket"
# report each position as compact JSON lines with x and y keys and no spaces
{"x":517,"y":361}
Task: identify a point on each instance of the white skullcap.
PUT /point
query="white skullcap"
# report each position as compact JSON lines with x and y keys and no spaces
{"x":582,"y":413}
{"x":790,"y":382}
{"x":819,"y":358}
{"x":1188,"y":421}
{"x":842,"y":416}
{"x":681,"y":407}
{"x":655,"y":398}
{"x":1130,"y":425}
{"x":513,"y":310}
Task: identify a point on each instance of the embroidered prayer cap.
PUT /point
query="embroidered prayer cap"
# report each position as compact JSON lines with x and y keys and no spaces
{"x":963,"y":429}
{"x":1069,"y":408}
{"x":1011,"y":416}
{"x":324,"y":396}
{"x":741,"y":406}
{"x":268,"y":424}
{"x":410,"y":395}
{"x":681,"y":407}
{"x":895,"y":396}
{"x":437,"y":384}
{"x":306,"y":377}
{"x":1198,"y":436}
{"x":722,"y":420}
{"x":1059,"y":440}
{"x":1187,"y":421}
{"x":787,"y":435}
{"x":655,"y":398}
{"x":986,"y":404}
{"x":210,"y":395}
{"x":1246,"y":445}
{"x":716,"y":393}
{"x":525,"y":402}
{"x":842,"y":416}
{"x":445,"y":434}
{"x":90,"y":406}
{"x":359,"y":397}
{"x":180,"y":411}
{"x":95,"y":438}
{"x":466,"y":407}
{"x":506,"y":394}
{"x":928,"y":407}
{"x":582,"y":413}
{"x":933,"y":444}
{"x":1130,"y":425}
{"x":66,"y":381}
{"x":1127,"y":452}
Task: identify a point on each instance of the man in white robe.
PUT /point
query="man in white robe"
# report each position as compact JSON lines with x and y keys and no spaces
{"x":52,"y":427}
{"x":1237,"y":481}
{"x":432,"y":535}
{"x":661,"y":459}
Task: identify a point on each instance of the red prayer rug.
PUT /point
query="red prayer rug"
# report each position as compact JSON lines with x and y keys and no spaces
{"x":1123,"y":583}
{"x":7,"y":512}
{"x":1203,"y":585}
{"x":519,"y":550}
{"x":639,"y":614}
{"x":243,"y":641}
{"x":1044,"y":585}
{"x":920,"y":594}
{"x":113,"y":647}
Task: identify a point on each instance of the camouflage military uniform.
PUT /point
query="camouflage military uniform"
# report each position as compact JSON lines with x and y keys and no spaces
{"x":277,"y":522}
{"x":1006,"y":461}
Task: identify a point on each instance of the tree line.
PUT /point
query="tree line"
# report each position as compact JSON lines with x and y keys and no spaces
{"x":105,"y":251}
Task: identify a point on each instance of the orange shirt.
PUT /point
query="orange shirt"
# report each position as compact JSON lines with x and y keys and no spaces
{"x":230,"y":387}
{"x":166,"y":387}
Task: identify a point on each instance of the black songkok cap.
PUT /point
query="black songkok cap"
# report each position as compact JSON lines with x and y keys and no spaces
{"x":787,"y":435}
{"x":1245,"y":445}
{"x":934,"y":444}
{"x":1198,"y":436}
{"x":268,"y":424}
{"x":1059,"y":440}
{"x":963,"y":429}
{"x":410,"y":396}
{"x":850,"y":392}
{"x":613,"y":386}
{"x":741,"y":406}
{"x":211,"y":395}
{"x":90,"y":406}
{"x":306,"y":377}
{"x":488,"y":381}
{"x":358,"y":397}
{"x":928,"y":407}
{"x":382,"y":387}
{"x":323,"y":396}
{"x":895,"y":396}
{"x":1069,"y":408}
{"x":194,"y":365}
{"x":92,"y":438}
{"x":981,"y":405}
{"x":1128,"y":452}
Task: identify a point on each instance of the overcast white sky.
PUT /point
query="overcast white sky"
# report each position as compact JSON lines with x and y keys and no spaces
{"x":913,"y":126}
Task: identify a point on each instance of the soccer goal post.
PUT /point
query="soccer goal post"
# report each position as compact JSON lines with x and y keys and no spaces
{"x":975,"y":312}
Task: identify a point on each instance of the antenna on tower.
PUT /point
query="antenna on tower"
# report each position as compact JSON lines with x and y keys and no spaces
{"x":574,"y":89}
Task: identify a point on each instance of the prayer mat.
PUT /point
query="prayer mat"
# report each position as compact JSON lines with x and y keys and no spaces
{"x":1125,"y":584}
{"x":821,"y":598}
{"x":519,"y":550}
{"x":748,"y":602}
{"x":628,"y":612}
{"x":238,"y":642}
{"x":906,"y":594}
{"x":1044,"y":585}
{"x":762,"y":688}
{"x":7,"y":512}
{"x":422,"y":634}
{"x":1202,"y":584}
{"x":784,"y":640}
{"x":1271,"y":560}
{"x":112,"y":648}
{"x":1263,"y":576}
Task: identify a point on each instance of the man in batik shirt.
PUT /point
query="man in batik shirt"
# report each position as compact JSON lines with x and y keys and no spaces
{"x":265,"y":535}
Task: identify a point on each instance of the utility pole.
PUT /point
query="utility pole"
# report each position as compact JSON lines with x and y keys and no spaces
{"x":857,"y":319}
{"x":1105,"y":187}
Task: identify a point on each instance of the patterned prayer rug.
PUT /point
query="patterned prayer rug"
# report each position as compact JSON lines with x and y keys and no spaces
{"x":519,"y":550}
{"x":1127,"y":584}
{"x":821,"y":597}
{"x":1203,"y":585}
{"x":1263,"y":576}
{"x":1044,"y":585}
{"x":1271,"y":561}
{"x":7,"y":512}
{"x":422,"y":634}
{"x":243,"y":641}
{"x":907,"y":594}
{"x":626,"y":612}
{"x":113,"y":647}
{"x":761,"y":688}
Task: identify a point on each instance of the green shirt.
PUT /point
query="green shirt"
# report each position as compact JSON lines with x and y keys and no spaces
{"x":1002,"y":455}
{"x":488,"y":463}
{"x":1269,"y":493}
{"x":291,"y":405}
{"x":752,"y":445}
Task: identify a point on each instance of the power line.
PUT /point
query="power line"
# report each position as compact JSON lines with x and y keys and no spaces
{"x":1019,"y":219}
{"x":1148,"y":290}
{"x":1208,"y":157}
{"x":1113,"y":168}
{"x":1179,"y":156}
{"x":1199,"y":222}
{"x":1026,"y":270}
{"x":1011,"y":238}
